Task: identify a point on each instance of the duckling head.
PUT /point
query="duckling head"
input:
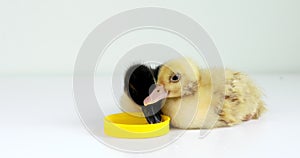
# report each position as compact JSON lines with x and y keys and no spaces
{"x":176,"y":78}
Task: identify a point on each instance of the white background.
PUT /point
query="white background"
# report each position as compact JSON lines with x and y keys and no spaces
{"x":39,"y":41}
{"x":44,"y":37}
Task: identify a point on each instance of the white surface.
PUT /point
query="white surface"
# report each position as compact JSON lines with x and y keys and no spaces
{"x":44,"y":36}
{"x":38,"y":119}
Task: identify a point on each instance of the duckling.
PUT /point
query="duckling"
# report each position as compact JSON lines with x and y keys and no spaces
{"x":189,"y":96}
{"x":139,"y":79}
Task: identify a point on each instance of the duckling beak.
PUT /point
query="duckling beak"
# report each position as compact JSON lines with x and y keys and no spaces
{"x":156,"y":95}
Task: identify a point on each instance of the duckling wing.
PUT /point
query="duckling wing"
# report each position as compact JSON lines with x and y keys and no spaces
{"x":243,"y":99}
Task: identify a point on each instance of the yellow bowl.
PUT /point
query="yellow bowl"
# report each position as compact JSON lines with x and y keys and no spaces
{"x":124,"y":125}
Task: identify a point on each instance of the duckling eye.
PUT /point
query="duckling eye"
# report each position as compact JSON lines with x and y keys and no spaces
{"x":175,"y":78}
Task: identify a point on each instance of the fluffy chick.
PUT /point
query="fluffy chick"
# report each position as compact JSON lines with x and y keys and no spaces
{"x":194,"y":101}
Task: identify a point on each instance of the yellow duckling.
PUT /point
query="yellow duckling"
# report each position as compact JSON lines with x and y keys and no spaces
{"x":192,"y":100}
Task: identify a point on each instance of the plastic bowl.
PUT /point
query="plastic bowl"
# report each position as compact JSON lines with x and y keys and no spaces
{"x":124,"y":125}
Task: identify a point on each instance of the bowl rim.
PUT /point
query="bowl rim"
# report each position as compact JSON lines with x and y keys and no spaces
{"x":166,"y":119}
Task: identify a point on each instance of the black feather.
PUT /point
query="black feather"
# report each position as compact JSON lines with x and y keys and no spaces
{"x":138,"y":83}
